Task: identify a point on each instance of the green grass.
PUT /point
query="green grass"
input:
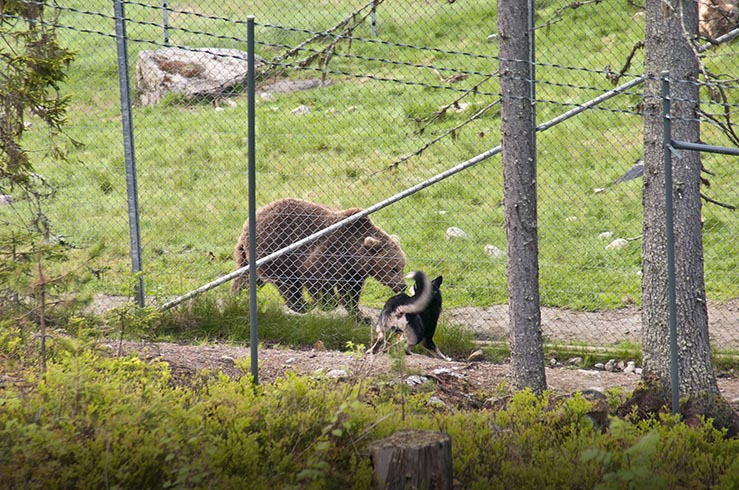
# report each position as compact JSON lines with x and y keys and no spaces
{"x":191,"y":159}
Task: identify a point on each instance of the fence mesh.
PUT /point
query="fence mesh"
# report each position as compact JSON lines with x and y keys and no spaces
{"x":358,"y":101}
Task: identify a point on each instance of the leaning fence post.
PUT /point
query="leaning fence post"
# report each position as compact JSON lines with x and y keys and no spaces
{"x":128,"y":150}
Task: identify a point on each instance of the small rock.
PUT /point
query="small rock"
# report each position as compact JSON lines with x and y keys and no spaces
{"x":461,"y":107}
{"x":574,"y":361}
{"x":454,"y":232}
{"x":337,"y":373}
{"x":476,"y":356}
{"x":319,"y":345}
{"x":227,"y":358}
{"x":415,"y":379}
{"x":598,"y":190}
{"x":630,"y":367}
{"x":553,"y":362}
{"x":620,"y":365}
{"x":494,"y":252}
{"x":638,"y":371}
{"x":617,"y":243}
{"x":439,"y":371}
{"x":571,"y":218}
{"x":5,"y":199}
{"x":610,"y":366}
{"x":226,"y":102}
{"x":435,"y":401}
{"x":605,"y":234}
{"x":599,"y":365}
{"x":301,"y":109}
{"x":289,"y":361}
{"x":268,"y":96}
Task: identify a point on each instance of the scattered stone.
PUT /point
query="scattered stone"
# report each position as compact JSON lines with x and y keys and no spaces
{"x":638,"y":371}
{"x":494,"y":252}
{"x":610,"y":366}
{"x":449,"y":372}
{"x":598,"y":190}
{"x":289,"y":361}
{"x":476,"y":356}
{"x":630,"y":367}
{"x":415,"y":379}
{"x":599,"y":365}
{"x":605,"y":234}
{"x":301,"y":109}
{"x":337,"y":374}
{"x":227,"y":358}
{"x":617,"y":243}
{"x":461,"y":107}
{"x":571,"y":218}
{"x":435,"y":401}
{"x":5,"y":199}
{"x":620,"y":365}
{"x":574,"y":361}
{"x":553,"y":362}
{"x":454,"y":232}
{"x":267,"y":96}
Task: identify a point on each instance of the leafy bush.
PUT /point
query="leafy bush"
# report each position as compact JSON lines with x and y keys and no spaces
{"x":93,"y":421}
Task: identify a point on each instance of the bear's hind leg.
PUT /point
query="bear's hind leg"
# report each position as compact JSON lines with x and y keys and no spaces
{"x":292,"y":291}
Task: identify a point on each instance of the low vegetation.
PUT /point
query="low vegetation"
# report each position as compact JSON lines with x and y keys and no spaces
{"x":98,"y":421}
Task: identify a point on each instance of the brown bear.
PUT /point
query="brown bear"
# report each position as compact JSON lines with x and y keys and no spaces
{"x":332,"y":268}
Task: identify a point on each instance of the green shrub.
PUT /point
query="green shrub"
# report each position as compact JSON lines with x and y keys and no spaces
{"x":93,"y":421}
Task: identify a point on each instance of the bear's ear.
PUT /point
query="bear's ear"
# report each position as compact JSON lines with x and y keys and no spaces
{"x":350,"y":211}
{"x":437,"y":282}
{"x":395,"y":238}
{"x":371,"y":242}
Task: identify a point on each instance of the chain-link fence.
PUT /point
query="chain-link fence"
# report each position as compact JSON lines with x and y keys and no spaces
{"x":357,"y":102}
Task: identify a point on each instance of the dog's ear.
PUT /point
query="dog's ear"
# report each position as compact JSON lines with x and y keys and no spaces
{"x":437,"y":282}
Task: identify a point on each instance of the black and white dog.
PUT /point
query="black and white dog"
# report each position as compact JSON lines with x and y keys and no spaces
{"x":415,"y":316}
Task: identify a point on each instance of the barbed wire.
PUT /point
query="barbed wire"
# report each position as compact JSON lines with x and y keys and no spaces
{"x":603,"y":72}
{"x":324,"y":70}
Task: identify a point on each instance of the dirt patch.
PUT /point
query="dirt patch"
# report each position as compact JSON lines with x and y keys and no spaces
{"x":457,"y":379}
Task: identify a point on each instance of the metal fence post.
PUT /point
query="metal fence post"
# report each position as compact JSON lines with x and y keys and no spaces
{"x":252,"y":201}
{"x":670,"y":242}
{"x":128,"y":150}
{"x":165,"y":22}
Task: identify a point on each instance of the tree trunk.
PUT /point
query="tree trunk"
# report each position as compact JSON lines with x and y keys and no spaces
{"x":413,"y":459}
{"x":671,"y":29}
{"x":519,"y":180}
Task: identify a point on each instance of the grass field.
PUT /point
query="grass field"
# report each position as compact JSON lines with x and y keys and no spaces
{"x":380,"y":107}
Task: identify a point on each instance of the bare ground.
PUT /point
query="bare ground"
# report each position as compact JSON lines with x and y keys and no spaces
{"x":459,"y":377}
{"x":458,"y":381}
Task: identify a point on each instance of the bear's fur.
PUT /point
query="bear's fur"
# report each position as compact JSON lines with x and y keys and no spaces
{"x":717,"y":17}
{"x":333,"y":267}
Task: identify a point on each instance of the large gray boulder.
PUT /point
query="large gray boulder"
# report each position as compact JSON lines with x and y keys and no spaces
{"x":193,"y":73}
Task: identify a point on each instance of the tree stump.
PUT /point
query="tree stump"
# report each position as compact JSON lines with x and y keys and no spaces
{"x":413,"y":459}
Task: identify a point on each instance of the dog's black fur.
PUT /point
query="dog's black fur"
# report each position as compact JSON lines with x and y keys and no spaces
{"x":415,"y":316}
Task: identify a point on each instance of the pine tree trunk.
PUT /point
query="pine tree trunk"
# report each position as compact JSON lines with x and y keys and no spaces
{"x":669,"y":24}
{"x":519,"y":180}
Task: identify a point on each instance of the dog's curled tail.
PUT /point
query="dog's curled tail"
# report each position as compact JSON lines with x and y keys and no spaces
{"x":421,"y":296}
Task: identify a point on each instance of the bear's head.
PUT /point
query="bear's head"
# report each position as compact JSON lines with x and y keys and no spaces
{"x":381,"y":255}
{"x":386,"y":260}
